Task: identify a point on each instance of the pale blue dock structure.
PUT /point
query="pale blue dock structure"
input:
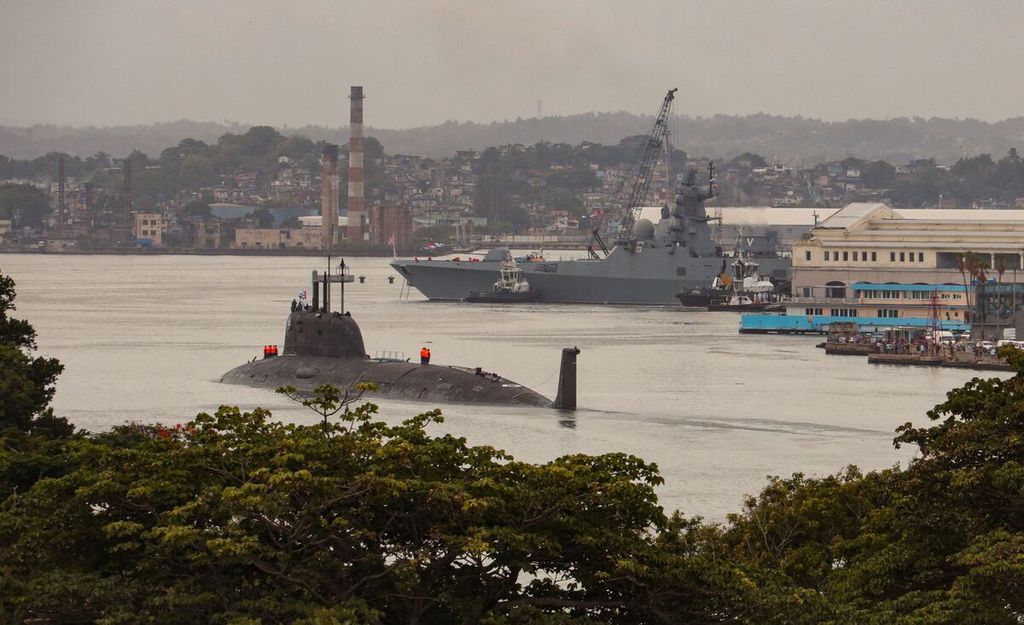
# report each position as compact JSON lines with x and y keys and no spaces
{"x":770,"y":323}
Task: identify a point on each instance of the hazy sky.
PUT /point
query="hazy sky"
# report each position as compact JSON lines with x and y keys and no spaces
{"x":423,"y":62}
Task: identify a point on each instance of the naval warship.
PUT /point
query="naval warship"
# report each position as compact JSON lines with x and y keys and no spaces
{"x":659,"y":261}
{"x":649,"y":264}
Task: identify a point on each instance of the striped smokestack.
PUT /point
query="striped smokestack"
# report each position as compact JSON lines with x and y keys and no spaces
{"x":356,"y":208}
{"x":329,"y":196}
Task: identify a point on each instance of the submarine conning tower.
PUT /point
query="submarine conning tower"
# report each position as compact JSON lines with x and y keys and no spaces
{"x":317,"y":330}
{"x":318,"y":333}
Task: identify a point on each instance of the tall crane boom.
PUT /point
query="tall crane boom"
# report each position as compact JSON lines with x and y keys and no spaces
{"x":641,"y":177}
{"x":645,"y":169}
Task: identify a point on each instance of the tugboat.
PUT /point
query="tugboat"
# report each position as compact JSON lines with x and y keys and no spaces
{"x":511,"y":287}
{"x":750,"y":291}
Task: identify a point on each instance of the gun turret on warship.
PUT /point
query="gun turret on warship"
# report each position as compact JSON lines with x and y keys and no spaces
{"x":649,"y":264}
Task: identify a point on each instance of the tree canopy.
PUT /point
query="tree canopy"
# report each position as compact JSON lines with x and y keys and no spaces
{"x":24,"y":204}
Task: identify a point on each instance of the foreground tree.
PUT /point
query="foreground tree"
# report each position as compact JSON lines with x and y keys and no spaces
{"x":234,"y":515}
{"x":26,"y":383}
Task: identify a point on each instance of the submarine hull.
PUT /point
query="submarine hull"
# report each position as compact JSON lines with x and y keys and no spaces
{"x":394,"y":380}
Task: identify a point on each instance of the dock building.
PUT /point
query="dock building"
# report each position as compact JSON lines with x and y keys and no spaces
{"x":873,"y":243}
{"x":871,"y":265}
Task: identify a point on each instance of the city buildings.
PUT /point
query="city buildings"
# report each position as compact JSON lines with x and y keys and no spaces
{"x":148,"y":227}
{"x":277,"y":238}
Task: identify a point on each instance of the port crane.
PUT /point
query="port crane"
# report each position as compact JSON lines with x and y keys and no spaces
{"x":641,"y":176}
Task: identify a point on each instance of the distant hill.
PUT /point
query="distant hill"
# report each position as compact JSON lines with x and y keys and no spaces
{"x":792,"y":140}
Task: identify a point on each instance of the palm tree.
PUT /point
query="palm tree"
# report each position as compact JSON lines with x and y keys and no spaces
{"x":972,"y":264}
{"x":1000,"y":270}
{"x":961,"y":265}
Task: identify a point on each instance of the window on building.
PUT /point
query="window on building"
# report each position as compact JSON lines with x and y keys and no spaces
{"x":855,"y":256}
{"x":846,"y":256}
{"x":892,"y":257}
{"x":903,"y":257}
{"x":874,"y":256}
{"x":807,"y":254}
{"x":920,"y":257}
{"x":835,"y":289}
{"x":806,"y":291}
{"x":826,"y":255}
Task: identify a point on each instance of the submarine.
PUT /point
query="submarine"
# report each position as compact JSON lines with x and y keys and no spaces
{"x":322,"y":346}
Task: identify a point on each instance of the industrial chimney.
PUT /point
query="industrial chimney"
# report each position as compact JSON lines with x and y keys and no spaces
{"x":329,"y":196}
{"x":356,"y":208}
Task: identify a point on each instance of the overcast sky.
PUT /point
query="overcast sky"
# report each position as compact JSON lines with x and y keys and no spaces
{"x":423,"y":62}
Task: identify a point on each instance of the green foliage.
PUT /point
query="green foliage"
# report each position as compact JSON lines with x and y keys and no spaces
{"x":196,"y":208}
{"x":26,"y":205}
{"x":26,"y":384}
{"x":14,"y":332}
{"x":263,"y":218}
{"x":752,"y":160}
{"x":32,"y":438}
{"x":234,"y":516}
{"x":879,"y":175}
{"x":440,"y":233}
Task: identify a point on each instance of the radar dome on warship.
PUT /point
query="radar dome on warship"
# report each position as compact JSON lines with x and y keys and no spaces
{"x":643,"y":230}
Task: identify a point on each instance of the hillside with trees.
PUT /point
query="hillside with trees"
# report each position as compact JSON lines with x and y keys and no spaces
{"x":793,"y":140}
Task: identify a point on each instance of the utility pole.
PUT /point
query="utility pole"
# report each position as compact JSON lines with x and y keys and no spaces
{"x":60,"y":197}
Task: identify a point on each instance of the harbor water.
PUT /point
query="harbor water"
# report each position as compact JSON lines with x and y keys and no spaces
{"x":146,"y":338}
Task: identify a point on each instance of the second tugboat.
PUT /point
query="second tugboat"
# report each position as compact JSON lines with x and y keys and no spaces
{"x":751,"y":292}
{"x":510,"y":288}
